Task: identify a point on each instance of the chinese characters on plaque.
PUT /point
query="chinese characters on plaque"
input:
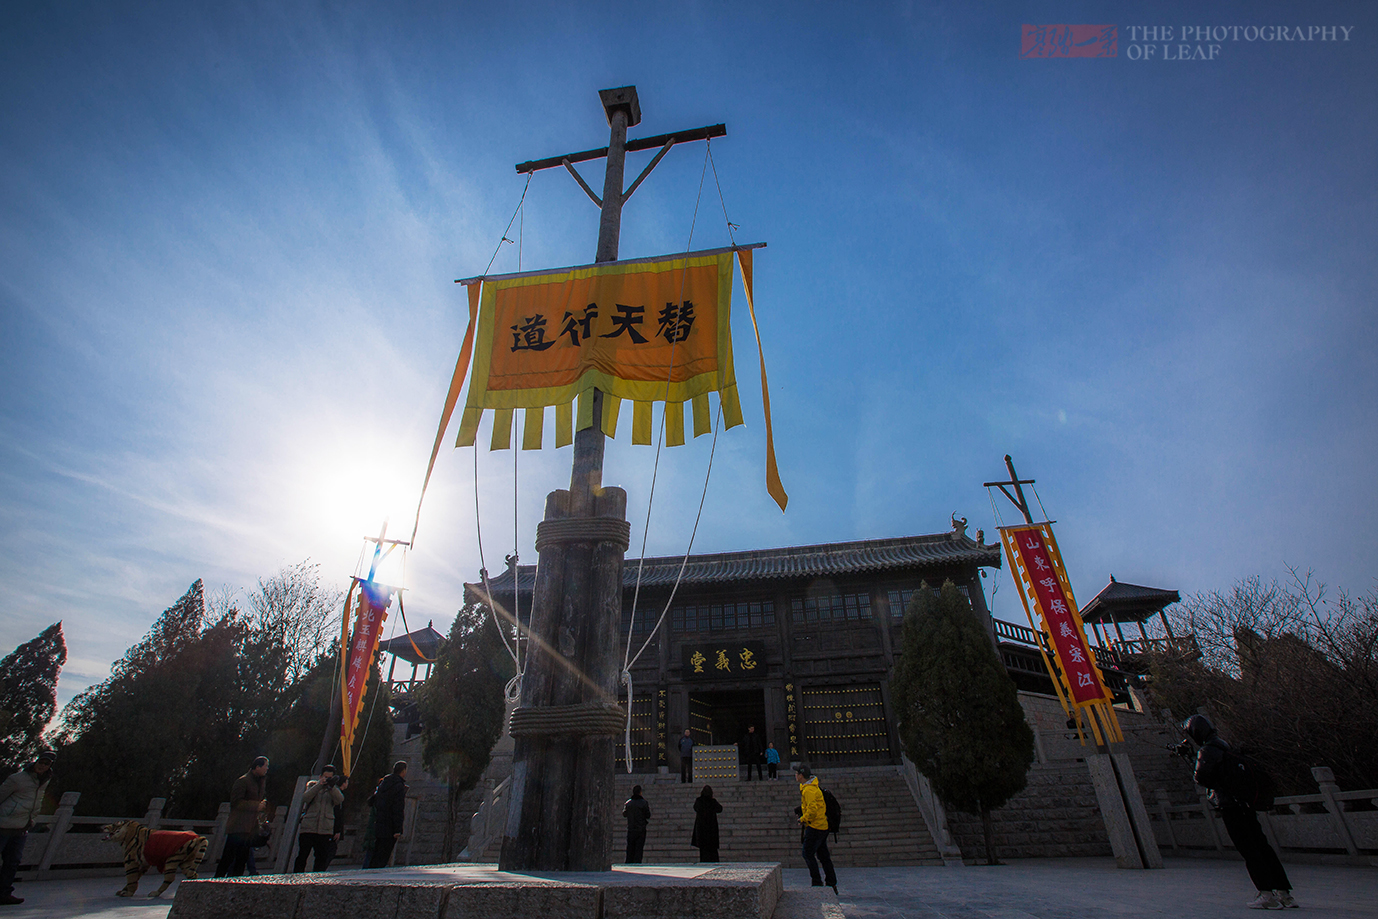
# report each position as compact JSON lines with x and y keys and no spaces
{"x":725,"y":660}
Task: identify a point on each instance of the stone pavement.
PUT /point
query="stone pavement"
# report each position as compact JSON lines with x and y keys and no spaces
{"x":1091,"y":888}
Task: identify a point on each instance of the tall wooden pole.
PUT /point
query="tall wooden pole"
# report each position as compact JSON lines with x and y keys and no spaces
{"x":561,"y":814}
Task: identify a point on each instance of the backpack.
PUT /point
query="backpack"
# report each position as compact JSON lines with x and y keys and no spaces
{"x":833,"y":811}
{"x":1243,"y":778}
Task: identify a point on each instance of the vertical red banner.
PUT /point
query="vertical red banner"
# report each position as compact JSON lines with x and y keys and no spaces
{"x":1061,"y":619}
{"x":372,"y":607}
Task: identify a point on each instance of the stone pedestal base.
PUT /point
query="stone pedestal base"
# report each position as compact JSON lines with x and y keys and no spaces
{"x":738,"y":891}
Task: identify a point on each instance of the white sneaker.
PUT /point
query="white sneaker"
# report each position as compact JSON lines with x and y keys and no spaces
{"x":1285,"y":898}
{"x":1266,"y":899}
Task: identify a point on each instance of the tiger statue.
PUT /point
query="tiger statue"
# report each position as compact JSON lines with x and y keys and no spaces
{"x":166,"y":850}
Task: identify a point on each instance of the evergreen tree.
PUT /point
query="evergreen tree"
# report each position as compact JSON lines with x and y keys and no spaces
{"x":28,"y":696}
{"x":462,"y":707}
{"x":959,"y":714}
{"x":129,"y":738}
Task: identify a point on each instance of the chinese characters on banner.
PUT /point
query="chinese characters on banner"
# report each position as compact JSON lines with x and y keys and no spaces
{"x":645,"y":330}
{"x":371,"y":611}
{"x":792,"y":720}
{"x":727,"y":661}
{"x":1062,"y":621}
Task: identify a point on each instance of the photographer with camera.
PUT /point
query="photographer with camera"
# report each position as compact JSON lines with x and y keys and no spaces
{"x":316,"y":831}
{"x":1238,"y":787}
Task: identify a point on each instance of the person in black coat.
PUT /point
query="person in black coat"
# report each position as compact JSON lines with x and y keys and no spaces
{"x":1264,"y":867}
{"x":389,"y":801}
{"x":753,"y":751}
{"x":705,"y":838}
{"x":638,"y":814}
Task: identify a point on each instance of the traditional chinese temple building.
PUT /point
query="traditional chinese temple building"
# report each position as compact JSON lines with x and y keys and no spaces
{"x":798,"y":641}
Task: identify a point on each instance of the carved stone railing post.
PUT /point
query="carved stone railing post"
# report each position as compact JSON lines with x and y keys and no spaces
{"x":1211,"y":823}
{"x":62,"y":820}
{"x":279,"y":841}
{"x":1325,"y":778}
{"x":155,"y":813}
{"x":222,"y":819}
{"x":1161,"y":797}
{"x":280,"y":856}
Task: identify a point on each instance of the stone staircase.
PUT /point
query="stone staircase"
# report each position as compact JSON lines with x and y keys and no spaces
{"x":881,"y":824}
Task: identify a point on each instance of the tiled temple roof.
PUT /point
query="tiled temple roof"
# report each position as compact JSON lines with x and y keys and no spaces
{"x":826,"y":560}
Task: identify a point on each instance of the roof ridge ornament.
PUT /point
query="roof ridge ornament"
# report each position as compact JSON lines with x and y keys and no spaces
{"x":959,"y":526}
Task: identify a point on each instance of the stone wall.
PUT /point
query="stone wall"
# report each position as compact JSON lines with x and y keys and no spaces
{"x":1056,"y":815}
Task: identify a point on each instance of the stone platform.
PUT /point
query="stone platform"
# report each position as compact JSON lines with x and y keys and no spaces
{"x":466,"y":891}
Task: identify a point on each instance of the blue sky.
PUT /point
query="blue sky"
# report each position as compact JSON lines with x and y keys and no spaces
{"x":228,"y":240}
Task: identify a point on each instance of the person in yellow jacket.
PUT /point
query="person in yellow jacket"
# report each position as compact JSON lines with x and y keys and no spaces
{"x":813,"y":815}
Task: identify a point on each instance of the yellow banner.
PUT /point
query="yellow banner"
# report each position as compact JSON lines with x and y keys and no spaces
{"x":648,"y":331}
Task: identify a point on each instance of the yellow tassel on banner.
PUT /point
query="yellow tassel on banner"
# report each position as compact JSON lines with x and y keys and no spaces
{"x":533,"y":429}
{"x":346,"y":725}
{"x":451,"y":398}
{"x":674,"y":424}
{"x":641,"y":423}
{"x":585,"y":416}
{"x":773,"y":483}
{"x":703,"y":419}
{"x":502,"y":429}
{"x":564,"y":424}
{"x":611,"y":404}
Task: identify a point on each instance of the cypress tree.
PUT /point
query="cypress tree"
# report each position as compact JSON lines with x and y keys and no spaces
{"x":462,"y":707}
{"x":131,"y":737}
{"x":960,"y":718}
{"x":28,"y":696}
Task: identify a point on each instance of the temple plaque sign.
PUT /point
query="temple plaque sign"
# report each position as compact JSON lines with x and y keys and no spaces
{"x":725,"y":661}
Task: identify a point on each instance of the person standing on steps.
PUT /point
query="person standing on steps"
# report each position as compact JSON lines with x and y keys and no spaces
{"x":638,"y":814}
{"x":813,"y":814}
{"x":772,"y":760}
{"x":389,"y":801}
{"x":686,"y":758}
{"x":1264,"y":867}
{"x":705,"y":838}
{"x":752,"y":752}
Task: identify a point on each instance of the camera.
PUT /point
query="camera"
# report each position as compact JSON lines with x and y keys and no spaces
{"x":1181,"y":748}
{"x":334,"y":780}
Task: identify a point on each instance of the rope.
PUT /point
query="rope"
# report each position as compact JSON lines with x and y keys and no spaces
{"x":509,"y":226}
{"x":1039,"y":500}
{"x":655,"y":472}
{"x":516,"y":543}
{"x":403,"y":610}
{"x":684,"y":562}
{"x":513,"y":689}
{"x":999,"y":520}
{"x":660,"y":440}
{"x":730,"y":225}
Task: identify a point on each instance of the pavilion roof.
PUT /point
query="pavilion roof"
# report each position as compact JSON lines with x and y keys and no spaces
{"x":824,"y":560}
{"x":427,"y":640}
{"x":1121,"y":602}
